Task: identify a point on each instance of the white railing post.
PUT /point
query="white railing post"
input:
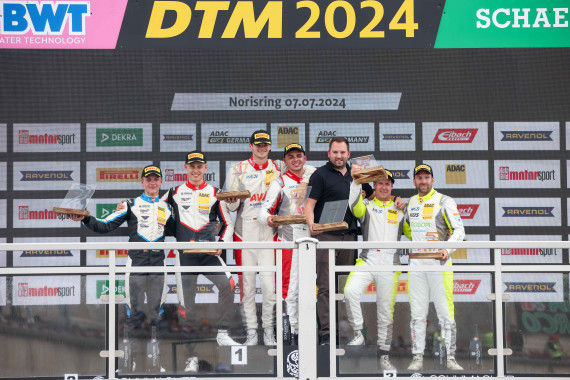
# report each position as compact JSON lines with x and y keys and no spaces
{"x":307,"y":309}
{"x":112,"y":314}
{"x":499,"y":313}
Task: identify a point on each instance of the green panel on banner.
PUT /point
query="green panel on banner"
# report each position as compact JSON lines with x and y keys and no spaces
{"x":504,"y":24}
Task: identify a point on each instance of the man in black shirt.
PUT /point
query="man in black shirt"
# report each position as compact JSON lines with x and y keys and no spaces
{"x":331,"y":183}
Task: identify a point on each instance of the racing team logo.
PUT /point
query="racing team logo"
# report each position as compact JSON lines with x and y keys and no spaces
{"x":455,"y":135}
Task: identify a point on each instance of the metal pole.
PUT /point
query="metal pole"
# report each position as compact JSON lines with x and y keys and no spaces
{"x":307,"y":309}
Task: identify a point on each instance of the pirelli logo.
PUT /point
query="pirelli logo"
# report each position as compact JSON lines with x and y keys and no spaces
{"x":261,"y":136}
{"x":118,"y":174}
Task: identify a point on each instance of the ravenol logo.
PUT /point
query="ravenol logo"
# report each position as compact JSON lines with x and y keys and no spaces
{"x":105,"y":209}
{"x":528,"y":211}
{"x":526,"y":136}
{"x":530,"y":287}
{"x":400,"y":174}
{"x":396,"y":136}
{"x":119,"y":137}
{"x":47,"y":175}
{"x":43,"y":18}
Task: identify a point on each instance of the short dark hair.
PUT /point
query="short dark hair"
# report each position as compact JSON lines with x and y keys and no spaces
{"x":339,"y":140}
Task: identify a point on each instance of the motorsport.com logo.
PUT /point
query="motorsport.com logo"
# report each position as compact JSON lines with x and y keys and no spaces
{"x":324,"y":137}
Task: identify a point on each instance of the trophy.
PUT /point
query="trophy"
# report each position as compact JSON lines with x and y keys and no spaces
{"x":234,"y":187}
{"x":369,"y":170}
{"x":76,"y":200}
{"x":332,"y":217}
{"x":206,"y":234}
{"x":292,"y":208}
{"x":426,"y":254}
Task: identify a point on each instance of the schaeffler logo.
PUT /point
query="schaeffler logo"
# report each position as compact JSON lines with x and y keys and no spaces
{"x":454,"y":136}
{"x":223,"y":137}
{"x":526,"y":136}
{"x":24,"y":213}
{"x":118,"y":174}
{"x":465,"y":286}
{"x":24,"y":137}
{"x":24,"y":290}
{"x":528,"y":252}
{"x":324,"y":137}
{"x":506,"y":174}
{"x":467,"y":211}
{"x":528,"y":211}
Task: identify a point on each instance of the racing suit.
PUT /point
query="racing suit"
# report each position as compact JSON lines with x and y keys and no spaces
{"x":380,"y":221}
{"x":430,"y":218}
{"x":279,"y":191}
{"x":197,"y":211}
{"x":147,"y":219}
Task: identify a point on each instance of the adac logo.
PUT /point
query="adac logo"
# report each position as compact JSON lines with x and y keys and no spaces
{"x":455,"y":136}
{"x":526,"y":135}
{"x":528,"y":252}
{"x":324,"y":137}
{"x":287,"y":135}
{"x":396,"y":136}
{"x":118,"y":174}
{"x":223,"y":137}
{"x":455,"y":174}
{"x":530,"y":287}
{"x":46,"y":175}
{"x":119,"y":137}
{"x":25,"y":138}
{"x":528,"y":211}
{"x":465,"y":286}
{"x":43,"y":18}
{"x":103,"y":210}
{"x":506,"y":174}
{"x":400,"y":174}
{"x":47,"y":253}
{"x":178,"y":137}
{"x":467,"y":211}
{"x":102,"y":288}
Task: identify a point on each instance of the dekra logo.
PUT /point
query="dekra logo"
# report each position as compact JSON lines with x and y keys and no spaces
{"x":119,"y":137}
{"x":103,"y":210}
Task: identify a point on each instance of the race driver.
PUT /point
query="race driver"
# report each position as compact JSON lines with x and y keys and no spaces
{"x":255,"y":174}
{"x":147,"y":218}
{"x":431,"y":215}
{"x":285,"y":192}
{"x":381,"y":220}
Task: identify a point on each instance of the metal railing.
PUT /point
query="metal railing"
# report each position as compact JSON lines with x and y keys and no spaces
{"x":307,"y":269}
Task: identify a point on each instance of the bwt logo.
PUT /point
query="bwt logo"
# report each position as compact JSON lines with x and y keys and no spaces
{"x":19,"y":17}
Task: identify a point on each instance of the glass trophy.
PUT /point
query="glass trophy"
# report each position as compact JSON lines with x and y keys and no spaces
{"x":332,"y":217}
{"x":368,"y":170}
{"x":234,"y":187}
{"x":76,"y":200}
{"x":292,"y":208}
{"x":205,"y":234}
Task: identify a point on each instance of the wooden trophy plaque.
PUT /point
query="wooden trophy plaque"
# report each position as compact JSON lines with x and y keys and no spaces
{"x":289,"y":219}
{"x":330,"y":227}
{"x":426,"y":255}
{"x":369,"y":175}
{"x":240,"y":194}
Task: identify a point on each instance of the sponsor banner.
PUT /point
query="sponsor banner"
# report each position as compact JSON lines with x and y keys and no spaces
{"x":3,"y":255}
{"x":515,"y":212}
{"x":46,"y":290}
{"x":403,"y":173}
{"x":283,"y":134}
{"x":3,"y":137}
{"x":115,"y":175}
{"x":96,"y":257}
{"x":98,"y":285}
{"x":534,"y":287}
{"x":472,"y":255}
{"x":237,"y":290}
{"x":527,"y":136}
{"x":119,"y":137}
{"x":69,"y":24}
{"x":2,"y":291}
{"x":174,"y":174}
{"x":37,"y":213}
{"x":567,"y":135}
{"x":47,"y":257}
{"x":504,"y":24}
{"x":3,"y":217}
{"x":455,"y":136}
{"x":286,"y":102}
{"x":527,"y":174}
{"x":530,"y":255}
{"x":45,"y":175}
{"x":178,"y":138}
{"x":359,"y":135}
{"x":3,"y":178}
{"x":474,"y":211}
{"x":228,"y":137}
{"x":397,"y":137}
{"x":460,"y":174}
{"x":171,"y":253}
{"x":47,"y":137}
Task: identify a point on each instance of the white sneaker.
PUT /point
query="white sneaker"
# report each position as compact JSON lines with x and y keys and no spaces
{"x":358,"y":339}
{"x":191,"y":365}
{"x":269,"y":338}
{"x":224,"y":339}
{"x":385,"y":363}
{"x":251,"y":339}
{"x":452,"y":364}
{"x":417,"y":363}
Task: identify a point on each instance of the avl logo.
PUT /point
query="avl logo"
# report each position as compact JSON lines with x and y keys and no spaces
{"x":19,"y":17}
